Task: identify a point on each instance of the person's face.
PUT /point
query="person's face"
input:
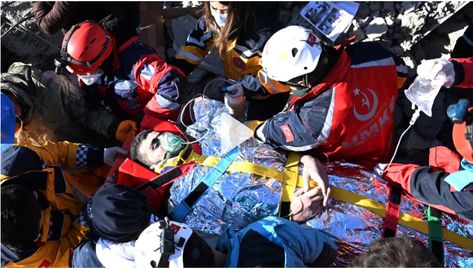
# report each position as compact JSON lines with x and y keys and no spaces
{"x":219,"y":13}
{"x":218,"y":8}
{"x":160,"y":146}
{"x":151,"y":149}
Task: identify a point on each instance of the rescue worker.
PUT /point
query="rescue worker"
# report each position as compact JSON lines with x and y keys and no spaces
{"x":238,"y":31}
{"x":116,"y":216}
{"x":343,"y":100}
{"x":448,"y":185}
{"x":38,"y":222}
{"x":235,"y":198}
{"x":270,"y":242}
{"x":128,"y":76}
{"x":64,"y":153}
{"x":39,"y":205}
{"x":452,"y":76}
{"x":55,"y":104}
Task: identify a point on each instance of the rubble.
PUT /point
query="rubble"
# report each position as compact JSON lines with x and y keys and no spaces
{"x":424,"y":29}
{"x":25,"y":42}
{"x":376,"y":28}
{"x":408,"y":26}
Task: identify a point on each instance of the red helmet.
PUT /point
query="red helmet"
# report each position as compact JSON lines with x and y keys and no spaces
{"x":86,"y":46}
{"x":463,"y":137}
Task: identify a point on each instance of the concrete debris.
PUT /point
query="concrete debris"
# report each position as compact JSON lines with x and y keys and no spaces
{"x":410,"y":22}
{"x":425,"y":29}
{"x":25,"y":42}
{"x":376,"y":28}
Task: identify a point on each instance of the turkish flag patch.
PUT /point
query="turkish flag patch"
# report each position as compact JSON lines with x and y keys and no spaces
{"x":286,"y":130}
{"x":175,"y":228}
{"x":311,"y":39}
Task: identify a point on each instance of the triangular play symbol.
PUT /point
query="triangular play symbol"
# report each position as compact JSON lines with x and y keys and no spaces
{"x":232,"y":133}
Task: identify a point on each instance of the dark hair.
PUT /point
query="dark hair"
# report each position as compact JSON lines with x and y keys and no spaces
{"x":21,"y":214}
{"x":197,"y":253}
{"x":400,"y":251}
{"x":135,"y":144}
{"x":240,"y":18}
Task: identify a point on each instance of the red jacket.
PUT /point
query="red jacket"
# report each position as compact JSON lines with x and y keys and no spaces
{"x":428,"y":185}
{"x":141,"y":80}
{"x":349,"y":115}
{"x":463,"y":72}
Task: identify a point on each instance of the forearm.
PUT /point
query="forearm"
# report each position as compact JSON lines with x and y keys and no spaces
{"x":260,"y":86}
{"x":69,"y":155}
{"x":87,"y":111}
{"x":196,"y":47}
{"x":463,"y":72}
{"x":52,"y":17}
{"x":430,"y":187}
{"x":299,"y":129}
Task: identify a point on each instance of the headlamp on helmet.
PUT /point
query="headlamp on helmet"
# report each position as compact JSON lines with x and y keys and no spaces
{"x":162,"y":245}
{"x":290,"y":53}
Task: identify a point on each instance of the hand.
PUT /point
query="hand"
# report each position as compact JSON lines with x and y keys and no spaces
{"x":306,"y":205}
{"x":314,"y":170}
{"x":235,"y":101}
{"x":110,"y":154}
{"x":124,"y":128}
{"x":439,"y":71}
{"x":235,"y":90}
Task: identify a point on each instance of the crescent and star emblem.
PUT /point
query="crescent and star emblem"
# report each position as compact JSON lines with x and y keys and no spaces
{"x":365,"y":101}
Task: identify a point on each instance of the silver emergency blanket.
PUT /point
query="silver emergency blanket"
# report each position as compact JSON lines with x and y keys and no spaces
{"x":359,"y":227}
{"x":242,"y":198}
{"x":236,"y":198}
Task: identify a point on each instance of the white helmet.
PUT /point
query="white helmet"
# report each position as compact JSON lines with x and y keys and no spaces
{"x":162,"y":244}
{"x":291,"y":52}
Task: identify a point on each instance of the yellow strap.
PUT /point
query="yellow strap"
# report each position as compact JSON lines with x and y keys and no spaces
{"x":291,"y":176}
{"x":404,"y":219}
{"x":337,"y":193}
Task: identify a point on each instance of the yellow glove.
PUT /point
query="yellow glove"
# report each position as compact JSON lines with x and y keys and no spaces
{"x":253,"y":124}
{"x":124,"y":128}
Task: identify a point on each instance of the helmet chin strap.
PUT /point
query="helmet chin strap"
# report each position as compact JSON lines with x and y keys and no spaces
{"x":306,"y":81}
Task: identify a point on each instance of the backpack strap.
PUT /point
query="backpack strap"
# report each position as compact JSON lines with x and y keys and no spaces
{"x":434,"y":219}
{"x":392,"y":211}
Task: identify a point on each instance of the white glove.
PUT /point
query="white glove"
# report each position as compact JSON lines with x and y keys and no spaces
{"x":110,"y":154}
{"x":235,"y":101}
{"x":439,"y":71}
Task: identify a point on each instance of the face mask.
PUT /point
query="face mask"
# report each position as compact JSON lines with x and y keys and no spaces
{"x":171,"y":144}
{"x":92,"y":78}
{"x":219,"y":18}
